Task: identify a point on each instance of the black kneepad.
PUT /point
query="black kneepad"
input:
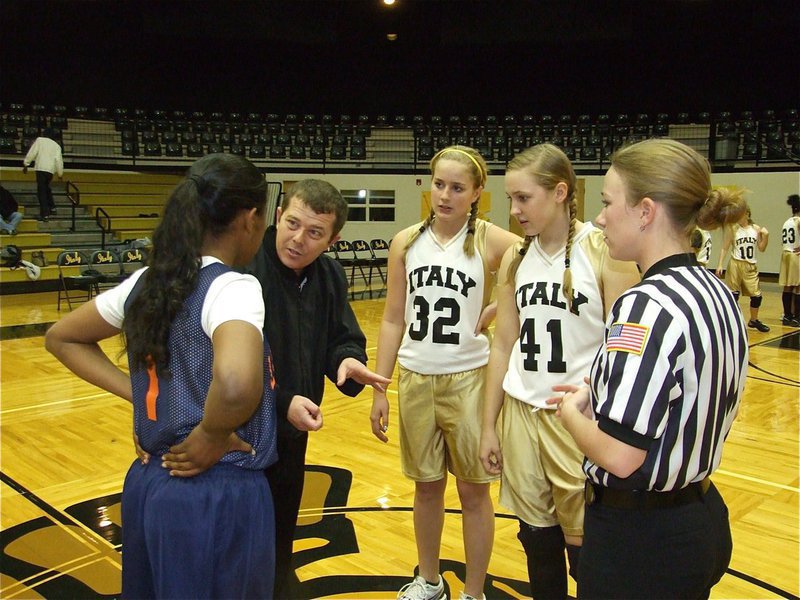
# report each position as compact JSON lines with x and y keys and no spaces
{"x":755,"y":301}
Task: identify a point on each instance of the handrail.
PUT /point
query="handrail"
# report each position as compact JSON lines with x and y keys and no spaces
{"x":74,"y":199}
{"x":107,"y":229}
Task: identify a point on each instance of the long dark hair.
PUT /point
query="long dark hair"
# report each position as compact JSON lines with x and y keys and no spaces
{"x":216,"y":188}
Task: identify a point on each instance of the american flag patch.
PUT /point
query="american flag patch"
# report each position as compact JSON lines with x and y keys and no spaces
{"x":627,"y":337}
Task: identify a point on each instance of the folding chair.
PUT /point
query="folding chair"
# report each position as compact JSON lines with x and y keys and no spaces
{"x":380,"y":259}
{"x":108,"y":265}
{"x":132,"y":260}
{"x":73,"y":277}
{"x":363,"y":260}
{"x":346,"y":256}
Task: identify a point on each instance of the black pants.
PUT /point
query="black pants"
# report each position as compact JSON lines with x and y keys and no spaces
{"x":44,"y":193}
{"x":678,"y":552}
{"x":286,"y":478}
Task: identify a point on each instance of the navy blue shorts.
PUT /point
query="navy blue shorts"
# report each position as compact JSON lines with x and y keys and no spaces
{"x":209,"y":536}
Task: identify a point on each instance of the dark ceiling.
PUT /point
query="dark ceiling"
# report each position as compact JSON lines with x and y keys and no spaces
{"x":450,"y":56}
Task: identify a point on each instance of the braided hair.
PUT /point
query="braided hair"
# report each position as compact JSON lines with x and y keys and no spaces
{"x":470,"y":158}
{"x":549,"y":165}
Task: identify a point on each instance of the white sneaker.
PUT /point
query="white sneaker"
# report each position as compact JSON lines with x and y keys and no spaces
{"x":419,"y":589}
{"x":463,"y":596}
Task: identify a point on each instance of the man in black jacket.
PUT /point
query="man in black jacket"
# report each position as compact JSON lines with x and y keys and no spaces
{"x":312,"y":333}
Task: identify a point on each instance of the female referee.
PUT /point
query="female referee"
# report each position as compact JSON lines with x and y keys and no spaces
{"x":664,"y":388}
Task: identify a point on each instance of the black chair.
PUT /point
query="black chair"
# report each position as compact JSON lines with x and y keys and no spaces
{"x":358,"y":153}
{"x":108,"y":266}
{"x":380,"y":259}
{"x":132,"y":259}
{"x":174,"y":149}
{"x":337,"y":152}
{"x":425,"y":153}
{"x":277,"y":151}
{"x":359,"y":256}
{"x":7,"y":146}
{"x":194,"y":150}
{"x":258,"y":151}
{"x":77,"y":280}
{"x":589,"y":153}
{"x":297,"y":152}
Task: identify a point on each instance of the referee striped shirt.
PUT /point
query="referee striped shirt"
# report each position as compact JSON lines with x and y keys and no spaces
{"x":670,"y":375}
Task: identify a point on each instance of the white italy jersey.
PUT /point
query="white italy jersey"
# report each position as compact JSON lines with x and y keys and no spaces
{"x":790,"y":234}
{"x":444,"y":300}
{"x":704,"y":251}
{"x":744,"y":244}
{"x":557,"y":345}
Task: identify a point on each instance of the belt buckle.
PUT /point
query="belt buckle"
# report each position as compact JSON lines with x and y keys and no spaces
{"x":589,"y":496}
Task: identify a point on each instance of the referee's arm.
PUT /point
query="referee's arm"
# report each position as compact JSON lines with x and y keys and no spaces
{"x":613,"y":455}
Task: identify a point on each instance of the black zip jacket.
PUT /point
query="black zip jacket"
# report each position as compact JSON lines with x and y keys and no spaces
{"x":309,"y":325}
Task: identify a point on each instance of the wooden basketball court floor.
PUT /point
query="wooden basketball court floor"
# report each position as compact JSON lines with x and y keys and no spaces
{"x":66,"y":446}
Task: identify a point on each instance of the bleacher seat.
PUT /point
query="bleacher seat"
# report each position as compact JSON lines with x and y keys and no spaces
{"x":174,"y":149}
{"x":358,"y":152}
{"x":7,"y":145}
{"x":277,"y":151}
{"x":258,"y":151}
{"x":194,"y":150}
{"x":589,"y":153}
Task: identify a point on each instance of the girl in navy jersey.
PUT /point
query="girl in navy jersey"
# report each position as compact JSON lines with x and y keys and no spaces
{"x":664,"y":389}
{"x":198,"y":523}
{"x":554,"y":291}
{"x":439,"y":284}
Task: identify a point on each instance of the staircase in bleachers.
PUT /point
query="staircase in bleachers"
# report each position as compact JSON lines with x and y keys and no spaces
{"x":113,"y":207}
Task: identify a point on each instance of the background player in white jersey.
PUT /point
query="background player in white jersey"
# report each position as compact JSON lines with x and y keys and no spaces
{"x":741,"y":240}
{"x":439,"y":285}
{"x":664,"y":388}
{"x":554,"y":290}
{"x":701,"y":243}
{"x":789,"y":276}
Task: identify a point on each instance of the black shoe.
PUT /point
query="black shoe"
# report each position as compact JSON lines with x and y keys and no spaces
{"x":53,"y":211}
{"x":787,"y":321}
{"x":756,"y":324}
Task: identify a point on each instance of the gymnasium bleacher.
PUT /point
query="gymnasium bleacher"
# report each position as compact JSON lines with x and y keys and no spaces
{"x":131,"y":158}
{"x":161,"y":138}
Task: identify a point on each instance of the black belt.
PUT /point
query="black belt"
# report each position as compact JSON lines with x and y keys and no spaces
{"x":644,"y":499}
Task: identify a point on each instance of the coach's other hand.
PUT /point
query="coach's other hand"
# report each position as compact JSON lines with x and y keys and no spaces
{"x":304,"y":414}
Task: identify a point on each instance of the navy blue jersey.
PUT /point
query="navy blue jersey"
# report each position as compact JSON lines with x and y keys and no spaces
{"x":167,"y":408}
